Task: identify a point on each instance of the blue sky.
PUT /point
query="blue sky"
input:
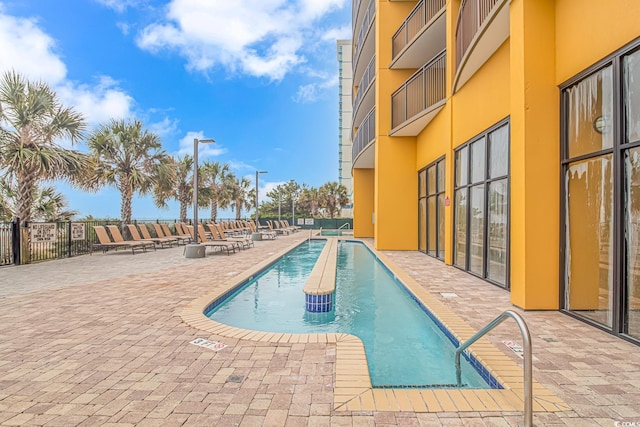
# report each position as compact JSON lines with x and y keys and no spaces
{"x":258,"y":76}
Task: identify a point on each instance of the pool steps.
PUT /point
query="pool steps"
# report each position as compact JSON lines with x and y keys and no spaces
{"x":319,"y":289}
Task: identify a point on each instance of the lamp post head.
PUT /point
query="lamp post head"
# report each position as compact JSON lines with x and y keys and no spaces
{"x":209,"y":140}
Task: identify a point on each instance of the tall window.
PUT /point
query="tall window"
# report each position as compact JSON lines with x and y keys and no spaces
{"x":431,"y":209}
{"x":601,"y":194}
{"x":481,"y":200}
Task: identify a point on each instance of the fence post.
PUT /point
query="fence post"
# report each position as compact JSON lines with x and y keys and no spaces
{"x":69,"y":239}
{"x":15,"y":240}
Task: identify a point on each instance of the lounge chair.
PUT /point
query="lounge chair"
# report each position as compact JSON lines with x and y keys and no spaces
{"x":219,"y":244}
{"x":158,"y":240}
{"x":215,"y":237}
{"x":133,"y":231}
{"x":276,"y":228}
{"x":180,"y":235}
{"x":294,"y":227}
{"x":106,"y":243}
{"x":160,"y":232}
{"x":264,"y":233}
{"x":219,"y":234}
{"x":117,"y":237}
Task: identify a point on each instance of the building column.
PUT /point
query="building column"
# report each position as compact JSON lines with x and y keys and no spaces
{"x":535,"y":156}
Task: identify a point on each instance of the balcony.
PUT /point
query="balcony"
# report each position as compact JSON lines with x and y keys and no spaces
{"x":366,"y":90}
{"x":420,"y":98}
{"x":483,"y":25}
{"x":364,"y":44}
{"x":421,"y":36}
{"x":363,"y":148}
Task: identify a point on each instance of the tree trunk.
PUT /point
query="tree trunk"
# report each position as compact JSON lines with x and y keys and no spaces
{"x":238,"y":211}
{"x":26,"y":183}
{"x":126,"y":193}
{"x":214,"y":209}
{"x":183,"y":209}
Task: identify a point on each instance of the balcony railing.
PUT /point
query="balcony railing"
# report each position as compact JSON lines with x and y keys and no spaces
{"x":366,"y":22}
{"x":470,"y":19}
{"x":424,"y":88}
{"x":365,"y":134}
{"x":365,"y":81}
{"x":424,"y":11}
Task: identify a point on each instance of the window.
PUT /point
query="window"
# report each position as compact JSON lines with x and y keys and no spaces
{"x":481,"y":205}
{"x":431,"y":187}
{"x":601,"y":194}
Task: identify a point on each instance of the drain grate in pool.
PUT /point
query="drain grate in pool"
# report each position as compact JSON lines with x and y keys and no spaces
{"x":420,"y":386}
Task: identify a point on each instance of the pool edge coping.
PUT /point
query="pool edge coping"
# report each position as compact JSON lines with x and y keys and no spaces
{"x":352,"y":387}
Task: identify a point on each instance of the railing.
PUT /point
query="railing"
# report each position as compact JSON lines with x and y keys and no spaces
{"x":422,"y":13}
{"x":365,"y":81}
{"x":345,"y":225}
{"x":364,"y":28}
{"x":526,"y":344}
{"x":470,"y":19}
{"x":6,"y":243}
{"x":424,"y":88}
{"x":52,"y":240}
{"x":365,"y":134}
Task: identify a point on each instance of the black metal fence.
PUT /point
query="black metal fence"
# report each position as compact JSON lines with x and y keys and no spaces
{"x":64,"y":239}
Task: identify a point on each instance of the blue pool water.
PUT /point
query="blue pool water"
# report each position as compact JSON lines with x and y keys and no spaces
{"x":404,"y":346}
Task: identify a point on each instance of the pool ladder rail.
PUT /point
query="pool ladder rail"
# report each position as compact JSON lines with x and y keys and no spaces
{"x":526,"y":338}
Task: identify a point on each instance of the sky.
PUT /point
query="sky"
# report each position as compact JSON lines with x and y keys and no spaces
{"x":258,"y":76}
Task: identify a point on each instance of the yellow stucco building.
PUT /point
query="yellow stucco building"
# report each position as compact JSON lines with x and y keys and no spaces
{"x":503,"y":137}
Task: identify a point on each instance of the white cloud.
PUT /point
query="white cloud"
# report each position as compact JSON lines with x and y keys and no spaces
{"x":204,"y":149}
{"x":118,"y":5}
{"x":28,"y":50}
{"x":31,"y":52}
{"x":261,"y":38}
{"x":164,"y":127}
{"x":99,"y":103}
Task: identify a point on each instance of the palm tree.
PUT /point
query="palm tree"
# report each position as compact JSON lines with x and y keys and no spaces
{"x":310,"y":201}
{"x":50,"y":206}
{"x":333,"y":197}
{"x":32,"y":123}
{"x":239,"y":194}
{"x":214,"y":179}
{"x":129,"y":158}
{"x":179,"y":187}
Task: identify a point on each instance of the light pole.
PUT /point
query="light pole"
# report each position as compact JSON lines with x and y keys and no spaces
{"x":279,"y":205}
{"x":194,"y":249}
{"x":257,"y":221}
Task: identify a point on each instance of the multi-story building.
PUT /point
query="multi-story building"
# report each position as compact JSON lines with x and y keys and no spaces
{"x":503,"y":137}
{"x":345,"y":85}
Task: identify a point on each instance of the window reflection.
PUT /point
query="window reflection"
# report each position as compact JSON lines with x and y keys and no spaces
{"x":632,"y":228}
{"x":590,"y":109}
{"x":589,"y":252}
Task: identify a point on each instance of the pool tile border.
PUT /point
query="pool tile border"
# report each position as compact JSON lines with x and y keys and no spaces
{"x":353,"y":390}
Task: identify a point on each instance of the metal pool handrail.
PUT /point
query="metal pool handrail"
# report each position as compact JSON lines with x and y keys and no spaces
{"x":526,"y":339}
{"x":346,"y":224}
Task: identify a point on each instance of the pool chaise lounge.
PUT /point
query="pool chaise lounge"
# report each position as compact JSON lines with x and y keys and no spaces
{"x":162,"y":233}
{"x":218,"y":234}
{"x":105,"y":243}
{"x":169,"y":241}
{"x":227,"y":246}
{"x":133,"y":231}
{"x":117,"y":237}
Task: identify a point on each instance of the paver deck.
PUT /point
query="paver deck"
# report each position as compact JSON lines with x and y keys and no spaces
{"x":99,"y":340}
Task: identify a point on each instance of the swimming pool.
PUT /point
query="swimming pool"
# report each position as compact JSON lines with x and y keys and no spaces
{"x":404,"y":346}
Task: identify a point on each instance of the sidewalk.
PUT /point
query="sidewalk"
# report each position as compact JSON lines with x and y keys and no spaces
{"x":96,"y":340}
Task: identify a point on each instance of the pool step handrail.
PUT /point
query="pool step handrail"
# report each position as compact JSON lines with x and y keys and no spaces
{"x":526,"y":339}
{"x":346,"y":224}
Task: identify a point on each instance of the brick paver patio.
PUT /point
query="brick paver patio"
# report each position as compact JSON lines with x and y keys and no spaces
{"x":98,"y":340}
